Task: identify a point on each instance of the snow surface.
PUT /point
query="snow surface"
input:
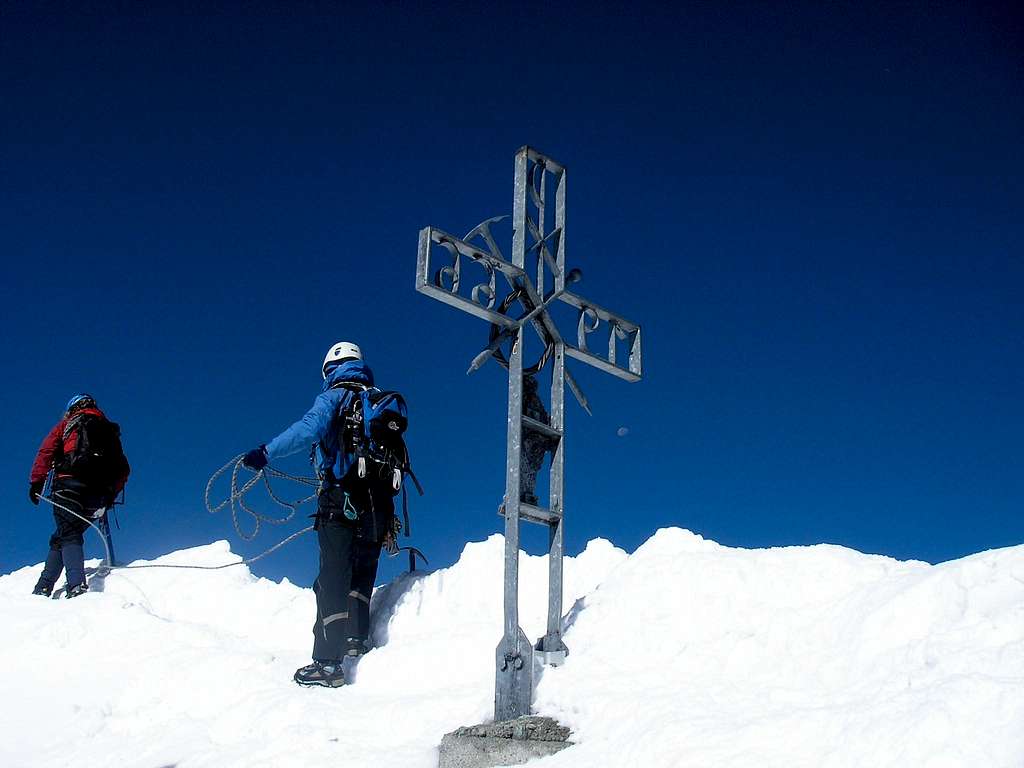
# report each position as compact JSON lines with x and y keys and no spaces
{"x":684,"y":653}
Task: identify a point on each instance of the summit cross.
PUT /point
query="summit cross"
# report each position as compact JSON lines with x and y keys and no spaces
{"x":532,"y":430}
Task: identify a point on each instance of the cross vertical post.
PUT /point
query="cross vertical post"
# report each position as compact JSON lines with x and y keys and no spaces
{"x":533,"y":432}
{"x":551,"y":648}
{"x":513,"y":688}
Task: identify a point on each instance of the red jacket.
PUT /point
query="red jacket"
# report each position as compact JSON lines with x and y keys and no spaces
{"x":61,"y":442}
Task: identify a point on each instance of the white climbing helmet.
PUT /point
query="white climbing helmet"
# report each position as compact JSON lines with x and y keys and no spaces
{"x":339,"y":353}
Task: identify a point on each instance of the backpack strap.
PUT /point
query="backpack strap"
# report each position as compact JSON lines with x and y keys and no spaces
{"x":410,"y":473}
{"x":405,"y":496}
{"x":405,"y":511}
{"x":345,"y":409}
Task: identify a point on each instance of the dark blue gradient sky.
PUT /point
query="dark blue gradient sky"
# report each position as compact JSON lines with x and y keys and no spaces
{"x":814,"y":210}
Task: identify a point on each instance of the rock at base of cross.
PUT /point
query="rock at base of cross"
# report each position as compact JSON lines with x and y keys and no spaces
{"x":511,"y":742}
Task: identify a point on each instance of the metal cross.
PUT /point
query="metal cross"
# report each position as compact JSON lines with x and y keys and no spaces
{"x":528,"y":424}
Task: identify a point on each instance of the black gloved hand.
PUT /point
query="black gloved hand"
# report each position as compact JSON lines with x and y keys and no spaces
{"x":256,"y":459}
{"x":34,"y":490}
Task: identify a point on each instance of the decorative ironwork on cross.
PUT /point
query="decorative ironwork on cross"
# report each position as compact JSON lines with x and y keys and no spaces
{"x":533,"y":431}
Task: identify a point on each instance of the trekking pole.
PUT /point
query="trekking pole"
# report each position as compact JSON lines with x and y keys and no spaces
{"x":104,"y":526}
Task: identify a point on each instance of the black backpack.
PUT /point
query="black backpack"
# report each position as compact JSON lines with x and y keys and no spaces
{"x":371,"y":438}
{"x":97,"y":458}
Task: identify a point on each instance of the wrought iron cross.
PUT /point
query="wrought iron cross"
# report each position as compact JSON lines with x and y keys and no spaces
{"x":528,"y":426}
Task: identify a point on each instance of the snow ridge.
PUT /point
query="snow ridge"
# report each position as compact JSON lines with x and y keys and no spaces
{"x":683,"y":653}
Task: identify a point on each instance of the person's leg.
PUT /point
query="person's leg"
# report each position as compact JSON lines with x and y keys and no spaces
{"x":74,"y":564}
{"x":70,"y":530}
{"x":52,"y":568}
{"x":366,"y":556}
{"x":332,"y":586}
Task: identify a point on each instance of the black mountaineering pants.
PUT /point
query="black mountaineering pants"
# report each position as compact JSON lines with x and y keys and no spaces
{"x":348,"y":569}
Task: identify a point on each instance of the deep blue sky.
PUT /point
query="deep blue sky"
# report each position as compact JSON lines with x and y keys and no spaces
{"x":814,"y":212}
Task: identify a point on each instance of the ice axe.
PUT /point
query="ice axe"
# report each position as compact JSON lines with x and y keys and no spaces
{"x":574,"y":276}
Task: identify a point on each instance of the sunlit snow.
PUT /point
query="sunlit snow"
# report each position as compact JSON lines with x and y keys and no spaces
{"x":683,"y":653}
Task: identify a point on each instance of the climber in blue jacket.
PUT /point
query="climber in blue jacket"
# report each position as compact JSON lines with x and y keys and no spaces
{"x":354,"y":517}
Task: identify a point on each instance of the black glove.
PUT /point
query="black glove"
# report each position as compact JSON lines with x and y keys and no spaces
{"x":256,"y":459}
{"x":34,"y":489}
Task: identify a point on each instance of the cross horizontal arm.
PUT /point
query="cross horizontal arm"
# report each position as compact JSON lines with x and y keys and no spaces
{"x":433,"y":284}
{"x":591,"y":318}
{"x":600,"y":363}
{"x":517,"y":278}
{"x":444,"y":282}
{"x":603,"y":314}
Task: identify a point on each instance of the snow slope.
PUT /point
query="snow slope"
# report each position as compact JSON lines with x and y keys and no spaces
{"x":684,"y":653}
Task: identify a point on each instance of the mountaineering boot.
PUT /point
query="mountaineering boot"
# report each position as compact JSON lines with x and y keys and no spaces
{"x":78,"y":589}
{"x":43,"y":589}
{"x":327,"y":675}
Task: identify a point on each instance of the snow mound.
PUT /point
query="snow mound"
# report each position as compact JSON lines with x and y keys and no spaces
{"x":685,"y":653}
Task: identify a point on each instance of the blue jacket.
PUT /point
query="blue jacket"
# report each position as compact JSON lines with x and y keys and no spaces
{"x":317,"y":426}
